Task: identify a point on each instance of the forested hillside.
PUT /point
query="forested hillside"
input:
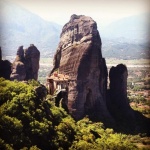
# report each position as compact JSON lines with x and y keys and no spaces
{"x":32,"y":121}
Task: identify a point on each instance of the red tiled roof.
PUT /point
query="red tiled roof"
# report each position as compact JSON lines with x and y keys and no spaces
{"x":59,"y":77}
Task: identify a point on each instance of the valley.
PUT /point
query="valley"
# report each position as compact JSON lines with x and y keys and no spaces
{"x":138,"y":87}
{"x":97,"y":106}
{"x":138,"y":80}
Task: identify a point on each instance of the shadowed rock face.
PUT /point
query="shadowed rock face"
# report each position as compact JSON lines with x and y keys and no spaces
{"x":5,"y":67}
{"x":26,"y":64}
{"x":118,"y":102}
{"x":32,"y":58}
{"x":79,"y":56}
{"x":18,"y":67}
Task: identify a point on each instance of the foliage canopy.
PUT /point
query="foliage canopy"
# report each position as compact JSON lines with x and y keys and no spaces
{"x":30,"y":122}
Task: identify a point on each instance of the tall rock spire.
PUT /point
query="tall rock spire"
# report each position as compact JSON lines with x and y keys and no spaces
{"x":26,"y":64}
{"x":118,"y":102}
{"x":79,"y":56}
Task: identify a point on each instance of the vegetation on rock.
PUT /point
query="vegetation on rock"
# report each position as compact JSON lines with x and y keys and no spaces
{"x":28,"y":121}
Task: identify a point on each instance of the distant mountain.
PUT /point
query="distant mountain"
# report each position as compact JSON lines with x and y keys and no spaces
{"x":122,"y":49}
{"x":127,"y":38}
{"x":21,"y":27}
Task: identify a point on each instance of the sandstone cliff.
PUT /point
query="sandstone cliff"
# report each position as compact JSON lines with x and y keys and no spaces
{"x":18,"y":67}
{"x":79,"y":56}
{"x":32,"y":58}
{"x":118,"y":104}
{"x":117,"y":100}
{"x":26,"y":64}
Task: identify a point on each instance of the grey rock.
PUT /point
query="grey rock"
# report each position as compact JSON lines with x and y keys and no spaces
{"x":79,"y":56}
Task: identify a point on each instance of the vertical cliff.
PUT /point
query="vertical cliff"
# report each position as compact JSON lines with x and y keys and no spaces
{"x":26,"y":64}
{"x":18,"y":67}
{"x":118,"y":102}
{"x":79,"y":56}
{"x":32,"y":58}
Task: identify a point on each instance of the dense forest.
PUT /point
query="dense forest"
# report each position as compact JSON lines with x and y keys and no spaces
{"x":32,"y":121}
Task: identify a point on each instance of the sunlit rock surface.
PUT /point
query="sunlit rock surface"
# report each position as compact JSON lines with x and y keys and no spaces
{"x":26,"y":64}
{"x":79,"y":56}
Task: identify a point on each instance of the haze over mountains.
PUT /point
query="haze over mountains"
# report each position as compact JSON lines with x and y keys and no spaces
{"x":126,"y":38}
{"x":21,"y":27}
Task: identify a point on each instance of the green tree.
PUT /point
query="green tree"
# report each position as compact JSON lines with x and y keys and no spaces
{"x":28,"y":121}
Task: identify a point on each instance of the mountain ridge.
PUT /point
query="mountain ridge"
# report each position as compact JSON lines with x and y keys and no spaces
{"x":25,"y":28}
{"x":19,"y":26}
{"x":127,"y":38}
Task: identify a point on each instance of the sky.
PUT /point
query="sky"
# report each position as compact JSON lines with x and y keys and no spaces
{"x":102,"y":11}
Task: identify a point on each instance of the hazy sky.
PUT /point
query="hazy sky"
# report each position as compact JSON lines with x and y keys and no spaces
{"x":102,"y":11}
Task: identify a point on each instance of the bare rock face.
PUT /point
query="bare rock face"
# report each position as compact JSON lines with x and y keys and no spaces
{"x":26,"y":64}
{"x":118,"y":102}
{"x":5,"y":67}
{"x":18,"y":67}
{"x":32,"y":58}
{"x":79,"y":56}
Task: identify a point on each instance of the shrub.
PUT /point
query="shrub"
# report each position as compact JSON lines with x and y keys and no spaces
{"x":34,"y":124}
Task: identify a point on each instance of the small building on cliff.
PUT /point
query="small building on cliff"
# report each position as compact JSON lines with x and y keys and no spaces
{"x":79,"y":56}
{"x":57,"y":82}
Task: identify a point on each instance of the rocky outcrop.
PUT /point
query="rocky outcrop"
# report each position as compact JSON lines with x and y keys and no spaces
{"x":18,"y":66}
{"x":5,"y":67}
{"x":126,"y":118}
{"x":26,"y":64}
{"x":79,"y":56}
{"x":117,"y":101}
{"x":32,"y":58}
